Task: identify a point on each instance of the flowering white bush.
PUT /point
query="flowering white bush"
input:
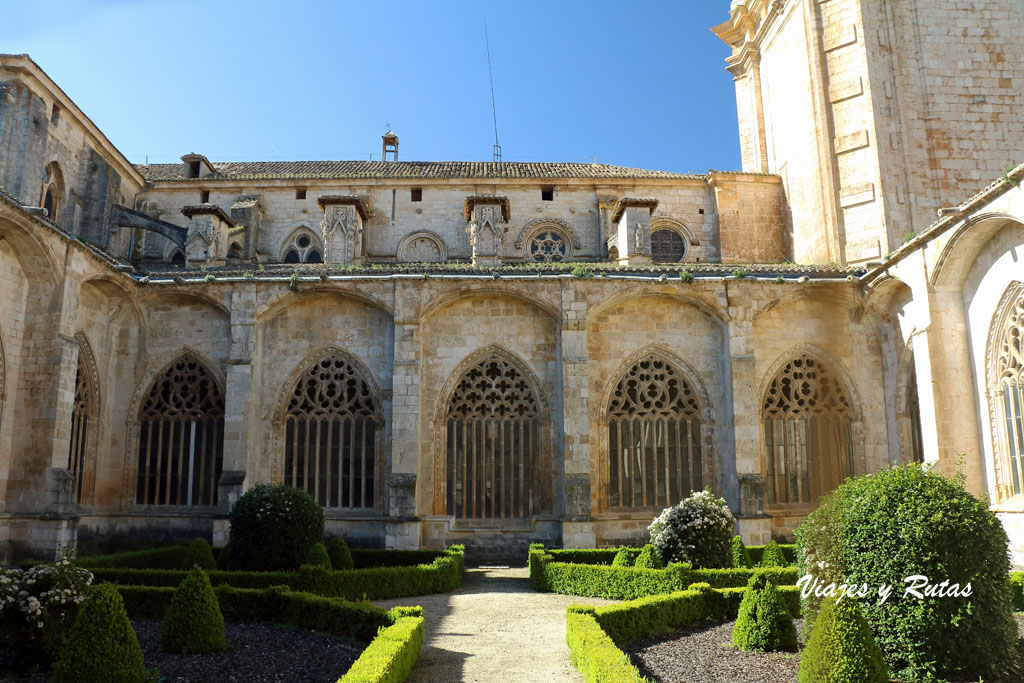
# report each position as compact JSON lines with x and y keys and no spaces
{"x":39,"y":605}
{"x":698,"y":530}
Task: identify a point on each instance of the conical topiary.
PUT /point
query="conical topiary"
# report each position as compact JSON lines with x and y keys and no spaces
{"x":341,"y":557}
{"x":318,"y":557}
{"x":841,"y":649}
{"x":773,"y":556}
{"x":649,"y":558}
{"x":101,"y":646}
{"x":623,"y":558}
{"x":764,"y":622}
{"x":740,"y":554}
{"x":193,"y":623}
{"x":200,"y":554}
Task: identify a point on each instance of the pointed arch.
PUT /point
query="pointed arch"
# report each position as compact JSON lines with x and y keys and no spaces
{"x":52,"y":194}
{"x":1005,"y":370}
{"x":85,"y":423}
{"x":303,"y":245}
{"x":908,"y":408}
{"x":809,"y":424}
{"x":493,"y":427}
{"x":656,"y":430}
{"x":330,"y":420}
{"x":178,"y":432}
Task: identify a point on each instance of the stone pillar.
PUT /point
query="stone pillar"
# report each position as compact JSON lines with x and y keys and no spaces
{"x":487,"y":217}
{"x":237,"y":410}
{"x":404,"y":531}
{"x":632,"y":218}
{"x":578,"y":527}
{"x":754,"y":523}
{"x":342,"y":228}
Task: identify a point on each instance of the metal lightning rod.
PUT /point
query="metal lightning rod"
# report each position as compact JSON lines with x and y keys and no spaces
{"x":494,"y":110}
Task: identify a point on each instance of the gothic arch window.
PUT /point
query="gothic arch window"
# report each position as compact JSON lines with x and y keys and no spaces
{"x":807,"y":417}
{"x":655,"y":432}
{"x":1006,"y":363}
{"x":332,"y":429}
{"x":82,"y":447}
{"x":52,"y":196}
{"x":494,"y":444}
{"x":302,"y":247}
{"x":912,"y":415}
{"x":181,"y":436}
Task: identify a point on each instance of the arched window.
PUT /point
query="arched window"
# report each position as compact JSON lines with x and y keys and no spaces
{"x":654,"y":436}
{"x":52,"y":196}
{"x":493,"y":463}
{"x":83,"y":422}
{"x":808,"y":432}
{"x":667,"y":246}
{"x":178,"y":258}
{"x":235,"y":251}
{"x":1007,"y":368}
{"x":332,"y":424}
{"x":302,"y":247}
{"x":181,"y":437}
{"x":912,"y":410}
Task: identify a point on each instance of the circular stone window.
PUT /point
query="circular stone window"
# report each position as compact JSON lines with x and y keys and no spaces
{"x":548,"y":245}
{"x":667,"y":246}
{"x":303,"y":241}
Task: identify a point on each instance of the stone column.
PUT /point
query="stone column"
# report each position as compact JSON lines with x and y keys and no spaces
{"x":632,"y":218}
{"x":237,"y":410}
{"x":403,"y":530}
{"x":754,"y":523}
{"x":578,"y":527}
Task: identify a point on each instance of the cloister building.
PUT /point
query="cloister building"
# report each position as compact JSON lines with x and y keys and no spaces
{"x":495,"y":353}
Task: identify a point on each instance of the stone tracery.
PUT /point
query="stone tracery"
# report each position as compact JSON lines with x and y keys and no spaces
{"x":1008,"y":390}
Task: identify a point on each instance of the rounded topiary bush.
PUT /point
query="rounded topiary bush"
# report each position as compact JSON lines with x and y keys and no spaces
{"x":841,"y":649}
{"x":740,"y":554}
{"x":318,"y":557}
{"x":101,"y":646}
{"x":273,"y":527}
{"x":200,"y":554}
{"x":698,"y":530}
{"x":773,"y":556}
{"x":341,"y":557}
{"x":193,"y":622}
{"x":902,"y":522}
{"x":649,"y":559}
{"x":623,"y":558}
{"x":763,"y":622}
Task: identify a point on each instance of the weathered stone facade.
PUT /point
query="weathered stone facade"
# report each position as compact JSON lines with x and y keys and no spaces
{"x":497,"y":353}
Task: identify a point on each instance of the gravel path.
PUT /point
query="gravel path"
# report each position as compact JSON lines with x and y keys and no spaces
{"x":494,"y":628}
{"x":704,"y":654}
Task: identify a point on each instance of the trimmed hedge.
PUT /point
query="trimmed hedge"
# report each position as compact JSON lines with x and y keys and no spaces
{"x":788,"y":551}
{"x":441,"y":576}
{"x":1017,"y":585}
{"x":318,"y":557}
{"x":606,"y":555}
{"x":101,"y":647}
{"x":628,"y":583}
{"x":199,"y":554}
{"x":193,"y":623}
{"x":364,"y":559}
{"x":273,"y":526}
{"x":841,"y":649}
{"x":595,"y":635}
{"x":391,"y":655}
{"x":171,"y":557}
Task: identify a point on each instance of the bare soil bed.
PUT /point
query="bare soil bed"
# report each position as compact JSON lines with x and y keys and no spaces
{"x":257,"y":653}
{"x":705,"y":654}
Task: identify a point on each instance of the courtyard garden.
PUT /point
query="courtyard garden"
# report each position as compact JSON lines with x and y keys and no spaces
{"x":898,"y":576}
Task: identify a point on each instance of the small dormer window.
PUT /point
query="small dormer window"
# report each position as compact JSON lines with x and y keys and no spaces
{"x":204,"y":197}
{"x":547,"y":194}
{"x":193,"y":169}
{"x":416,"y":194}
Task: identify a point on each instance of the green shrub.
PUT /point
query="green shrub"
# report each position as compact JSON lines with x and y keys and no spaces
{"x":224,"y":558}
{"x":840,"y":648}
{"x":740,"y":555}
{"x":171,"y":557}
{"x":340,"y":556}
{"x":593,"y":653}
{"x":200,"y":555}
{"x":763,"y":622}
{"x":391,"y":655}
{"x":1017,"y":586}
{"x":906,"y":521}
{"x":273,"y":527}
{"x":318,"y":557}
{"x":648,"y":559}
{"x":101,"y":646}
{"x":788,"y":551}
{"x":773,"y":556}
{"x":623,"y":558}
{"x":697,"y":530}
{"x":193,"y":623}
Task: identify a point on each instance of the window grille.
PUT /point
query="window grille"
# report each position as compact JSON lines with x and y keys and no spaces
{"x":79,"y":428}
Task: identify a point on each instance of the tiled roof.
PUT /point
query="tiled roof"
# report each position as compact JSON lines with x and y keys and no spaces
{"x":331,"y":170}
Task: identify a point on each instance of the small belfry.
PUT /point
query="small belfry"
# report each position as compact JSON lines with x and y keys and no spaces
{"x":389,"y":146}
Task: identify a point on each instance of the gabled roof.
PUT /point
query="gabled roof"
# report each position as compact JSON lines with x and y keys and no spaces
{"x":338,"y":170}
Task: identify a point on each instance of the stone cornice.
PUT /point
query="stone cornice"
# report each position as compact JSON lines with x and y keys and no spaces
{"x":207,"y":210}
{"x":362,"y":206}
{"x":484,"y":200}
{"x":627,"y":202}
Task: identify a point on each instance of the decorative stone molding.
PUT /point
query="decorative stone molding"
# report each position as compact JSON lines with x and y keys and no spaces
{"x":359,"y":203}
{"x":422,"y":246}
{"x":487,"y":216}
{"x":539,"y":223}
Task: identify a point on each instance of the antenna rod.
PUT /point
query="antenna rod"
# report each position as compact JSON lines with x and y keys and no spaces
{"x":494,"y":109}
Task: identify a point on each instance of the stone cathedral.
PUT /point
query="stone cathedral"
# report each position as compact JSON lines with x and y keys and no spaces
{"x":495,"y":353}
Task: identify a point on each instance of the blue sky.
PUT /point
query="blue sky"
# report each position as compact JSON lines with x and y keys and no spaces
{"x":638,"y":84}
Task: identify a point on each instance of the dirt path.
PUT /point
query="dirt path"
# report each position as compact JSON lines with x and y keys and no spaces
{"x":494,"y":628}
